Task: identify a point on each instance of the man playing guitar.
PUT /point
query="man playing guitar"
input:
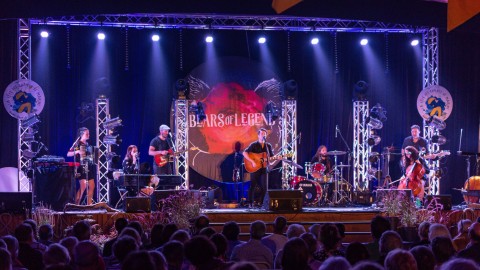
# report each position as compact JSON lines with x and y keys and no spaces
{"x":259,"y":176}
{"x":161,"y":145}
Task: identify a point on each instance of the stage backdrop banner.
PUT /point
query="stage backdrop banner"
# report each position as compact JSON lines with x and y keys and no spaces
{"x":234,"y":92}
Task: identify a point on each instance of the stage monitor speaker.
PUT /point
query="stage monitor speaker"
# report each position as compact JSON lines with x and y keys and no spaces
{"x":16,"y":202}
{"x":445,"y":200}
{"x":363,"y":197}
{"x":137,"y":205}
{"x":381,"y":193}
{"x":159,"y":195}
{"x":283,"y":200}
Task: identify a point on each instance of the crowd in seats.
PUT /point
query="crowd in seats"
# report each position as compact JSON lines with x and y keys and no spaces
{"x":290,"y":246}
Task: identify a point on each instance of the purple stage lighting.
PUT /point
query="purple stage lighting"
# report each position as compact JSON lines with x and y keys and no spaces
{"x":364,"y":41}
{"x":414,"y":42}
{"x":44,"y":34}
{"x":155,"y":37}
{"x":209,"y":39}
{"x":262,"y":40}
{"x":314,"y":41}
{"x":101,"y":36}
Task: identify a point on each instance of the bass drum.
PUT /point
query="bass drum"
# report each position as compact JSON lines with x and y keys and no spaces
{"x":312,"y":191}
{"x":296,"y":179}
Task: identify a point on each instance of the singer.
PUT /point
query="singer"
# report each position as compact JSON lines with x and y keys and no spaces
{"x":131,"y":161}
{"x":161,"y":148}
{"x":259,"y":177}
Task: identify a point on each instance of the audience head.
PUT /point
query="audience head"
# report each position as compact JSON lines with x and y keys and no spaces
{"x":295,"y":254}
{"x":45,"y":232}
{"x":437,"y":230}
{"x":5,"y":259}
{"x":180,"y":235}
{"x":257,"y":229}
{"x":367,"y":265}
{"x":24,"y":233}
{"x":56,"y":254}
{"x":158,"y":260}
{"x":315,"y":230}
{"x":295,"y":230}
{"x":335,"y":263}
{"x":82,"y":230}
{"x":463,"y":226}
{"x":389,"y":241}
{"x":156,"y":235}
{"x":133,"y":233}
{"x":199,"y":223}
{"x":442,"y":248}
{"x":424,"y":257}
{"x":474,"y":232}
{"x":69,"y":243}
{"x":207,"y":231}
{"x":356,"y":252}
{"x":231,"y":230}
{"x":199,"y":250}
{"x":243,"y":266}
{"x":423,"y":230}
{"x":400,"y":259}
{"x":220,"y":243}
{"x":459,"y":264}
{"x":378,"y":226}
{"x":329,"y":236}
{"x":173,"y":252}
{"x":139,"y":259}
{"x":167,"y":232}
{"x":137,"y":226}
{"x":310,"y":241}
{"x":34,"y":226}
{"x":279,"y":225}
{"x":12,"y":245}
{"x":123,"y":246}
{"x":87,"y":256}
{"x":120,"y":224}
{"x":3,"y":244}
{"x":341,"y":229}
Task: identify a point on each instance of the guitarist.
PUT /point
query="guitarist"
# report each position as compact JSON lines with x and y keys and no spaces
{"x":259,"y":177}
{"x":161,"y":145}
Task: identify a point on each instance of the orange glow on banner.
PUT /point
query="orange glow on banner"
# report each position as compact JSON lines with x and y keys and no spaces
{"x":460,"y":11}
{"x":282,"y":5}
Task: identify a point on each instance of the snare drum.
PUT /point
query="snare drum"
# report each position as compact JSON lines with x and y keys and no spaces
{"x":297,"y":179}
{"x":318,"y":170}
{"x":312,"y":191}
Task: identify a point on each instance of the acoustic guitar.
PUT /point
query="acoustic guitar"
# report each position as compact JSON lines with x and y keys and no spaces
{"x":261,"y":160}
{"x":161,"y":160}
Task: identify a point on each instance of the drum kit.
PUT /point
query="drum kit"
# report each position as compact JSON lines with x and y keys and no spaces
{"x":326,"y":188}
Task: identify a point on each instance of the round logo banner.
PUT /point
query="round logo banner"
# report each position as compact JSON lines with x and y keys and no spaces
{"x":23,"y":98}
{"x":435,"y":100}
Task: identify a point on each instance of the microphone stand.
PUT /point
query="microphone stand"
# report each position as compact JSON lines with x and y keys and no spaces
{"x":267,"y":170}
{"x":349,"y":152}
{"x":174,"y":150}
{"x":75,"y":168}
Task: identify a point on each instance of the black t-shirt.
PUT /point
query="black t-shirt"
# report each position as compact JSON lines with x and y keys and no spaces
{"x":160,"y":144}
{"x":327,"y":162}
{"x":256,"y":147}
{"x":419,"y":145}
{"x":128,"y":166}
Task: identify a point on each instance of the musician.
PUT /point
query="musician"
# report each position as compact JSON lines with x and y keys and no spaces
{"x":161,"y":145}
{"x":412,"y":179}
{"x":131,"y":161}
{"x":259,"y":177}
{"x":83,"y":153}
{"x":419,"y":143}
{"x":322,"y":157}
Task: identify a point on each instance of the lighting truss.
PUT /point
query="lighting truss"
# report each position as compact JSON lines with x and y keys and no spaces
{"x":181,"y":140}
{"x":23,"y":73}
{"x":102,"y":115}
{"x":361,"y":150}
{"x":289,"y":138}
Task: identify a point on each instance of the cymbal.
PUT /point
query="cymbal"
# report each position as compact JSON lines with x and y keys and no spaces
{"x":290,"y":162}
{"x":336,"y":153}
{"x":343,"y":166}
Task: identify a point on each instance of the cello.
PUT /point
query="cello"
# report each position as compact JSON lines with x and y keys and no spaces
{"x":413,"y":179}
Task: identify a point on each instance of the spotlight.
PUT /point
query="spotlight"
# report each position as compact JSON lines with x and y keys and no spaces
{"x":439,"y":139}
{"x":30,"y":121}
{"x":436,"y":122}
{"x":374,"y":123}
{"x":112,"y":139}
{"x":182,"y":89}
{"x":112,"y":123}
{"x":271,"y":112}
{"x":378,"y":112}
{"x":374,"y":140}
{"x":30,"y":136}
{"x":360,"y":89}
{"x":155,"y":37}
{"x":262,"y":40}
{"x":101,"y":36}
{"x":314,"y":41}
{"x":209,"y":39}
{"x":414,"y":42}
{"x":289,"y":89}
{"x":364,"y":41}
{"x":44,"y":34}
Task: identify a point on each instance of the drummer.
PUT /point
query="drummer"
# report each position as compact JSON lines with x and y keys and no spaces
{"x":322,"y":157}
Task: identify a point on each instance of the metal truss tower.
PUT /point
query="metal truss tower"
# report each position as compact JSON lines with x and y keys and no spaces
{"x":181,"y":140}
{"x":23,"y":73}
{"x":102,"y":114}
{"x":289,"y":138}
{"x":361,"y":150}
{"x":430,"y":77}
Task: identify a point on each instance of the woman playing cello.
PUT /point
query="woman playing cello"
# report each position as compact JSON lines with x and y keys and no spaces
{"x":413,"y":174}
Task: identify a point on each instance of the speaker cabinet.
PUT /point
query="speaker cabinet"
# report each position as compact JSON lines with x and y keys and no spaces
{"x":445,"y":200}
{"x":16,"y":202}
{"x":137,"y":205}
{"x":283,"y":200}
{"x":363,"y":197}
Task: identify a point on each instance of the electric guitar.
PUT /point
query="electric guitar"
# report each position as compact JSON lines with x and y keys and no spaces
{"x":261,"y":160}
{"x":161,"y":160}
{"x":440,"y":154}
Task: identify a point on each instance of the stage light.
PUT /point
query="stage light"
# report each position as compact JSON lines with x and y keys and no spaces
{"x":30,"y":136}
{"x":44,"y":34}
{"x":439,"y":139}
{"x":112,"y":123}
{"x":289,"y":89}
{"x":378,"y":112}
{"x":155,"y":37}
{"x":101,"y":36}
{"x":373,"y":157}
{"x":209,"y":39}
{"x":364,"y":41}
{"x":182,"y":89}
{"x":374,"y":123}
{"x":414,"y":42}
{"x":112,"y":139}
{"x":314,"y":41}
{"x":360,"y":89}
{"x":32,"y":120}
{"x":262,"y":40}
{"x":374,"y":140}
{"x":436,"y":122}
{"x":271,"y":113}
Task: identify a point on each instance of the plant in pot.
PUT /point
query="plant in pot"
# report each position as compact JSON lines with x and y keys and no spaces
{"x":408,"y":220}
{"x":391,"y":206}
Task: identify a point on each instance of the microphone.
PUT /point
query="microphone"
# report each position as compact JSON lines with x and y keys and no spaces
{"x":336,"y":131}
{"x":170,"y":134}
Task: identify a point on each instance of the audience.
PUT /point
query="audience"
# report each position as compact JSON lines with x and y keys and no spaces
{"x":120,"y":224}
{"x":312,"y":245}
{"x":200,"y":252}
{"x":31,"y":258}
{"x":460,"y":264}
{"x":424,"y":257}
{"x":389,"y":241}
{"x":12,"y":247}
{"x":87,"y":256}
{"x":174,"y":254}
{"x":295,"y":255}
{"x":462,"y":239}
{"x":335,"y":263}
{"x":330,"y":239}
{"x":378,"y":225}
{"x":472,"y":251}
{"x":253,"y":250}
{"x":5,"y":259}
{"x":231,"y":230}
{"x":442,"y":249}
{"x":423,"y":230}
{"x":356,"y":252}
{"x":81,"y":230}
{"x":45,"y":235}
{"x":56,"y":255}
{"x":399,"y":259}
{"x":277,"y":239}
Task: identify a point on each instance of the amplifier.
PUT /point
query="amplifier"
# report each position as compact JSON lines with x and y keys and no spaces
{"x":283,"y":200}
{"x":137,"y":205}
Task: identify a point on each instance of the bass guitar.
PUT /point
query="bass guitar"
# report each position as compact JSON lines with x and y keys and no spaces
{"x":161,"y":160}
{"x":261,"y":161}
